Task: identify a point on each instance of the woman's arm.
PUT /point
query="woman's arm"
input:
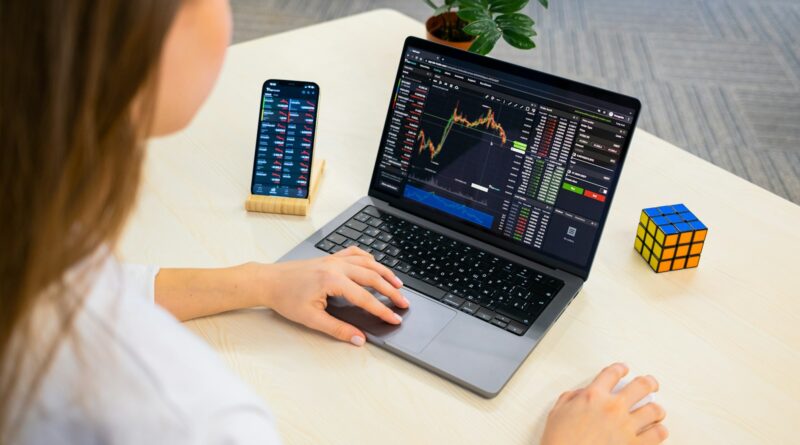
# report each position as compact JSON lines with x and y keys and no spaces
{"x":298,"y":290}
{"x":193,"y":293}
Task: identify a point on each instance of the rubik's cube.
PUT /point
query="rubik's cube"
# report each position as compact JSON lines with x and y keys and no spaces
{"x":670,"y":238}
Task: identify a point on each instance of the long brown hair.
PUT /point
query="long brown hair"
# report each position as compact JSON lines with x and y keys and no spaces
{"x":75,"y":105}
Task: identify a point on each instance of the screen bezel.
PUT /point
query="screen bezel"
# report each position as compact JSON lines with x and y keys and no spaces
{"x":282,"y":82}
{"x":485,"y":235}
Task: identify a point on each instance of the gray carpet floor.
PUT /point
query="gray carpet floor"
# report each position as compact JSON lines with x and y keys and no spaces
{"x":719,"y":78}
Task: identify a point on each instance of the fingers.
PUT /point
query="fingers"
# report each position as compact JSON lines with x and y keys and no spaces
{"x":638,"y":389}
{"x":653,"y":435}
{"x":370,"y":278}
{"x":647,"y":415}
{"x":365,"y":300}
{"x":351,"y":251}
{"x":324,"y":322}
{"x":369,"y":262}
{"x":608,"y":378}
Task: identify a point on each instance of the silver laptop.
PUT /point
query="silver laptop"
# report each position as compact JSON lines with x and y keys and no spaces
{"x":489,"y":193}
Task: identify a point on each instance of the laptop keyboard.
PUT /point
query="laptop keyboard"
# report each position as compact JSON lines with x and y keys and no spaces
{"x":485,"y":286}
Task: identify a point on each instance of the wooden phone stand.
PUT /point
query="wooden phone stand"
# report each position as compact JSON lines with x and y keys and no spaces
{"x":288,"y":206}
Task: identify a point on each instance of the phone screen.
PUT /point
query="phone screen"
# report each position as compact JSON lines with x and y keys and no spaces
{"x":285,"y":139}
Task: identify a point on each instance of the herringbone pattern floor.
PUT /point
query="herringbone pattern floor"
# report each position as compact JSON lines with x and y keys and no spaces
{"x":720,"y":78}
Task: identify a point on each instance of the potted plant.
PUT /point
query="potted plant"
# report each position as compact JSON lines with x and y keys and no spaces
{"x":476,"y":25}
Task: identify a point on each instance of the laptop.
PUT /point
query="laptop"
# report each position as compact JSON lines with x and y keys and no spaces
{"x":488,"y":197}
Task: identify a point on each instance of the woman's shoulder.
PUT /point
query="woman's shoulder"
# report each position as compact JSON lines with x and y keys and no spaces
{"x":129,"y":372}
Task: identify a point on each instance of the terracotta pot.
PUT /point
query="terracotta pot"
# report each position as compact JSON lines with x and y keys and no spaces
{"x":436,"y":22}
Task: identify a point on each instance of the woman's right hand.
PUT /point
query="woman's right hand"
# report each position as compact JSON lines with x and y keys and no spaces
{"x":595,"y":416}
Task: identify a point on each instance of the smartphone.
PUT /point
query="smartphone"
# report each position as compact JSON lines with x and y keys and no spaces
{"x":285,"y":139}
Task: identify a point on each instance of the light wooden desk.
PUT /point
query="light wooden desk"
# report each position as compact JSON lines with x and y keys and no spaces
{"x":723,"y":339}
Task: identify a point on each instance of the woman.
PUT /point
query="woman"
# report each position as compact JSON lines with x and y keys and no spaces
{"x":91,"y":351}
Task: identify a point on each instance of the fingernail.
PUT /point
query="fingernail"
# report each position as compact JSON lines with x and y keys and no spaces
{"x":399,"y":281}
{"x":406,"y":301}
{"x":357,"y":340}
{"x":398,"y":318}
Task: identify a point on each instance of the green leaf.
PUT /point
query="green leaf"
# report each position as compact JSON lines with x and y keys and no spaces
{"x":518,"y":40}
{"x":485,"y":42}
{"x":506,"y":6}
{"x":482,"y":27}
{"x":473,"y":14}
{"x":543,"y":3}
{"x":470,"y":4}
{"x":515,"y":20}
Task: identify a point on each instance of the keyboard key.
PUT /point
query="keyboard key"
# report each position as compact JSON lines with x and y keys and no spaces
{"x":470,"y":307}
{"x":498,"y":323}
{"x":348,"y":232}
{"x":516,"y":314}
{"x":335,"y":249}
{"x":420,"y":286}
{"x":453,"y":300}
{"x":325,"y":245}
{"x":366,"y":240}
{"x":502,"y":318}
{"x":392,"y":250}
{"x":389,"y":261}
{"x":372,"y":211}
{"x":375,"y":222}
{"x":348,"y":242}
{"x":356,"y":225}
{"x":383,"y":236}
{"x":403,"y":267}
{"x":372,"y":231}
{"x":363,"y":217}
{"x":378,"y":245}
{"x":378,"y":255}
{"x":365,"y":248}
{"x":485,"y":314}
{"x":335,"y":238}
{"x":516,"y":328}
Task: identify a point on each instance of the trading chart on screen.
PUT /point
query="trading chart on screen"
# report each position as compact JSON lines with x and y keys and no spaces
{"x":519,"y":161}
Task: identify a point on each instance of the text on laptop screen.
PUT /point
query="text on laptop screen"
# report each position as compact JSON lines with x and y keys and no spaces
{"x":526,"y":161}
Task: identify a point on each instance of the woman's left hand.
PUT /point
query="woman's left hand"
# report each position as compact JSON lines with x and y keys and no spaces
{"x":299,"y":290}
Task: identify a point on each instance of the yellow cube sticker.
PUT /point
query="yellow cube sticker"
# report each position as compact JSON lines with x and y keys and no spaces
{"x":640,"y":232}
{"x":651,"y":227}
{"x":657,"y":250}
{"x":643,"y":219}
{"x":659,"y":236}
{"x":648,"y":241}
{"x":637,"y":244}
{"x":654,"y":263}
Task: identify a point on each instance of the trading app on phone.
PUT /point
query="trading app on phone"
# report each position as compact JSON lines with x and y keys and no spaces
{"x":285,"y":139}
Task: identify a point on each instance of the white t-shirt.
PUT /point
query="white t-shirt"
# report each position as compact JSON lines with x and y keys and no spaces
{"x":136,"y":376}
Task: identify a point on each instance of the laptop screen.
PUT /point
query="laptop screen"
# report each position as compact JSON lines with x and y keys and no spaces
{"x":520,"y":156}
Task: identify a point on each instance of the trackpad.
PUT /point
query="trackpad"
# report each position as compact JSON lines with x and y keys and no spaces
{"x":421,"y":322}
